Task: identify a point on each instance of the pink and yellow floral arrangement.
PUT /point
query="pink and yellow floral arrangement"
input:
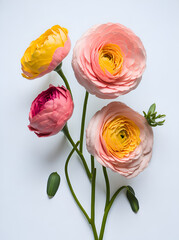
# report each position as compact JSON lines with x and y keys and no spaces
{"x":108,"y":61}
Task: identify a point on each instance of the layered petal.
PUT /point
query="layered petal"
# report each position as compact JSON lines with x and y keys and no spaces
{"x":50,"y":111}
{"x":45,"y":53}
{"x":109,"y":60}
{"x":120,"y":139}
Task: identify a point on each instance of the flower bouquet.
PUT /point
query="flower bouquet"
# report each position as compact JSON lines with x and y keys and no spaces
{"x":108,"y":61}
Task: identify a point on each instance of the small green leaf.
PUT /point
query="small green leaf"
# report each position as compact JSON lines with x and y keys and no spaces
{"x":145,"y":115}
{"x":152,"y":108}
{"x":132,"y":199}
{"x":161,"y":116}
{"x":151,"y":116}
{"x":131,"y":189}
{"x":53,"y":184}
{"x":152,"y":120}
{"x":161,"y":123}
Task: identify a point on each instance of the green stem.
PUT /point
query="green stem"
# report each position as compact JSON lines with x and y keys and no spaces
{"x":67,"y":134}
{"x":116,"y":193}
{"x":93,"y":184}
{"x":60,"y":72}
{"x":70,"y":186}
{"x":83,"y":121}
{"x":92,"y":164}
{"x":107,"y":186}
{"x":107,"y":211}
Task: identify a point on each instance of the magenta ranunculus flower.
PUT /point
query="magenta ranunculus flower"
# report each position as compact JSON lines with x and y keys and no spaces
{"x":120,"y":139}
{"x":50,"y":111}
{"x":109,"y":60}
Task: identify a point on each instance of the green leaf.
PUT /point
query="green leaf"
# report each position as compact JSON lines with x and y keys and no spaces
{"x":152,"y":108}
{"x":151,"y":116}
{"x":145,"y":115}
{"x":161,"y":116}
{"x":132,"y":199}
{"x":131,"y":189}
{"x":152,"y":120}
{"x":161,"y":123}
{"x":53,"y":184}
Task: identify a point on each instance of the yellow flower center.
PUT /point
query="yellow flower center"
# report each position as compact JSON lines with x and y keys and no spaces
{"x":39,"y":54}
{"x":111,"y":58}
{"x":121,"y":136}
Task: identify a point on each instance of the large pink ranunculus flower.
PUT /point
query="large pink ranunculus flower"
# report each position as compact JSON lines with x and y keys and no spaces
{"x":120,"y":139}
{"x":109,"y":60}
{"x":50,"y":111}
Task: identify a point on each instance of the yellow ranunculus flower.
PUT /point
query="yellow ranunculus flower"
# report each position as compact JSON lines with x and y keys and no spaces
{"x":45,"y":53}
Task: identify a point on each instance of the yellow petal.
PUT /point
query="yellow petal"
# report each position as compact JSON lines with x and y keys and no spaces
{"x":111,"y":58}
{"x":39,"y":54}
{"x":121,"y":136}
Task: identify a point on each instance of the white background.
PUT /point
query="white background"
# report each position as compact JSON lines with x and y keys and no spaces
{"x":26,"y":161}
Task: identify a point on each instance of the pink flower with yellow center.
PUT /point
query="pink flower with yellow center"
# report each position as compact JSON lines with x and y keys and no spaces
{"x":109,"y":60}
{"x":121,"y":139}
{"x":45,"y":53}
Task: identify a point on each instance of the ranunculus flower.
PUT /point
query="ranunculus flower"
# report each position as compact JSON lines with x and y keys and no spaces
{"x":45,"y":53}
{"x":120,"y":139}
{"x":108,"y":60}
{"x":50,"y":111}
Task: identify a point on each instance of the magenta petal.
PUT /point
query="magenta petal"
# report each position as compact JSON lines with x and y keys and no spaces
{"x":50,"y":111}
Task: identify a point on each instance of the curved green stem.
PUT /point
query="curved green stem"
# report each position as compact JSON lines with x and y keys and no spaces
{"x":60,"y":72}
{"x":83,"y":121}
{"x":67,"y":134}
{"x":70,"y":186}
{"x":107,"y":186}
{"x":116,"y":193}
{"x":93,"y":184}
{"x":107,"y":211}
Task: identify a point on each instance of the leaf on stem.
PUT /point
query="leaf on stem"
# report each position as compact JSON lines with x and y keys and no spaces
{"x":132,"y":199}
{"x":151,"y":116}
{"x":152,"y":108}
{"x":53,"y":184}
